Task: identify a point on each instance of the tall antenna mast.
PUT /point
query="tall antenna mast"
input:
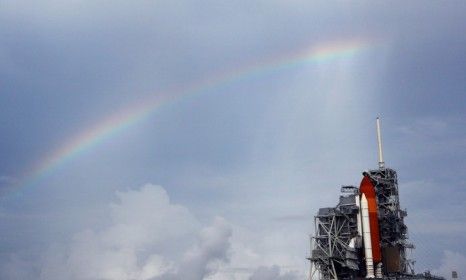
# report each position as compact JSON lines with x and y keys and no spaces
{"x":379,"y":142}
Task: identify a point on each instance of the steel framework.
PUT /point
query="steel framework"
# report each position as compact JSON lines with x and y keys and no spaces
{"x":334,"y":253}
{"x":336,"y":247}
{"x":393,"y":230}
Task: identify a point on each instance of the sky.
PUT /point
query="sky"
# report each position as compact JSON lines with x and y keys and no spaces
{"x":197,"y":139}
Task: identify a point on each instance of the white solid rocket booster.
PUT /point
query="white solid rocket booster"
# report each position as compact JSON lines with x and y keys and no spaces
{"x":358,"y":217}
{"x":366,"y":232}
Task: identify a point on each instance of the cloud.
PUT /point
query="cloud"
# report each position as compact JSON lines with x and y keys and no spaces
{"x":452,"y":261}
{"x":203,"y":258}
{"x":148,"y":237}
{"x":259,"y":253}
{"x":143,"y":241}
{"x":272,"y":273}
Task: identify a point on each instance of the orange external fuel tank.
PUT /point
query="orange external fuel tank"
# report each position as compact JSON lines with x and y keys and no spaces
{"x":367,"y":188}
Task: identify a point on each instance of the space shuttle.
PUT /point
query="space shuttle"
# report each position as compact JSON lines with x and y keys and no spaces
{"x":368,"y":219}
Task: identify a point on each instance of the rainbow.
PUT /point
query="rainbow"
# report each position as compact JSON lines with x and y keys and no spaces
{"x":115,"y":124}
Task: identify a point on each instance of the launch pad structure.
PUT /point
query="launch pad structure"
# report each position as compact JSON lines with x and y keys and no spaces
{"x":365,"y":235}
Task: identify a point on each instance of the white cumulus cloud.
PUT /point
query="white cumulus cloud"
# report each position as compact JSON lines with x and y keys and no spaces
{"x":145,"y":236}
{"x":143,"y":241}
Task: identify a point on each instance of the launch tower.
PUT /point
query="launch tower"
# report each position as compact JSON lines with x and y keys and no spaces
{"x":364,"y":236}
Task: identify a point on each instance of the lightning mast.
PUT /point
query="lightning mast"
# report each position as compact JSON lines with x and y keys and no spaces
{"x":379,"y":145}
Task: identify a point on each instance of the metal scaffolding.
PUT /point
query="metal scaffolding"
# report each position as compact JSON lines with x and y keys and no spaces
{"x":335,"y":240}
{"x":393,"y":231}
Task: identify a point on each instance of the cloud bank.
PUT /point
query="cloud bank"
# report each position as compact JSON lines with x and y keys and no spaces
{"x":148,"y":237}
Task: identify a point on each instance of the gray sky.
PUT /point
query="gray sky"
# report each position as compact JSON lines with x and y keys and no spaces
{"x":223,"y":183}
